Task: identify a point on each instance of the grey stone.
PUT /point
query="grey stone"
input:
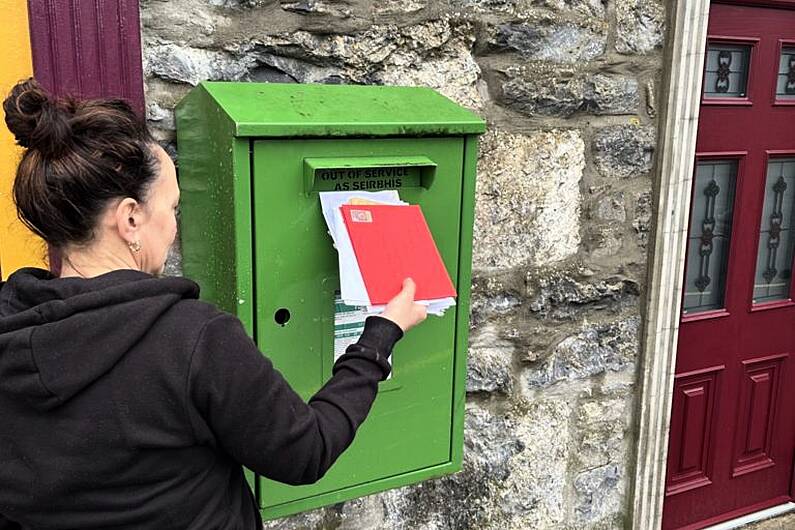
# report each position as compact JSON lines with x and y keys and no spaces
{"x":160,"y":117}
{"x":623,"y":151}
{"x":642,"y":221}
{"x":591,"y":9}
{"x":612,"y":208}
{"x":540,"y":91}
{"x":466,"y":499}
{"x":365,"y":512}
{"x":611,"y":95}
{"x":514,"y":476}
{"x":238,"y":3}
{"x":192,"y":65}
{"x":183,"y":23}
{"x":535,"y":493}
{"x":594,"y":350}
{"x":316,"y":7}
{"x":640,"y":26}
{"x":601,"y":429}
{"x":435,"y":54}
{"x":494,"y":296}
{"x":525,"y":185}
{"x":394,"y":7}
{"x":605,"y":241}
{"x":564,"y":43}
{"x":600,"y":495}
{"x":558,"y":295}
{"x":487,"y":6}
{"x":489,"y":362}
{"x":651,"y":99}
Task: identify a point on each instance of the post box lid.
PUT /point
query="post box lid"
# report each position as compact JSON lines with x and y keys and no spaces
{"x":291,"y":109}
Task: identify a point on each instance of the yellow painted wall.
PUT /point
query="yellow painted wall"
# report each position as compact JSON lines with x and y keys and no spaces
{"x":18,"y":247}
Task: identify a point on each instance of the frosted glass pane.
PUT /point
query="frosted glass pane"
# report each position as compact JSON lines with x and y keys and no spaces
{"x":774,"y":255}
{"x":785,"y":83}
{"x":709,"y":235}
{"x":726,"y":71}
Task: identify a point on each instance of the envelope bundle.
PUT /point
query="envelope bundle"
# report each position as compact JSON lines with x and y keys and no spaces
{"x":381,"y":240}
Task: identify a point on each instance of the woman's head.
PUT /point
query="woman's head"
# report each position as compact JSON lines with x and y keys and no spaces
{"x":92,"y":181}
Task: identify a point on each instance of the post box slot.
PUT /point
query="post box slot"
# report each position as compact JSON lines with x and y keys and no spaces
{"x":371,"y":173}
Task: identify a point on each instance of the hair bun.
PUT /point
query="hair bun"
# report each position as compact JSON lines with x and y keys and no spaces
{"x":37,"y":120}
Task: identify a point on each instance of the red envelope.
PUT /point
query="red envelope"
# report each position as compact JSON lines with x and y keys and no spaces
{"x":393,"y":242}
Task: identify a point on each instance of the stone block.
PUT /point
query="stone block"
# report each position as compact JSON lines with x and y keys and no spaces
{"x":526,"y":185}
{"x":489,"y":362}
{"x":558,"y":43}
{"x":539,"y":91}
{"x":594,"y":350}
{"x":623,"y":151}
{"x":640,"y":26}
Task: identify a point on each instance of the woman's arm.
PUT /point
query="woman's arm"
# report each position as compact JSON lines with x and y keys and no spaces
{"x":237,"y":400}
{"x":5,"y":524}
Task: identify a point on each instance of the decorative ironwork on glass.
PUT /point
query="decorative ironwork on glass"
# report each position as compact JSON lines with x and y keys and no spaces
{"x":775,"y":252}
{"x":785,"y":84}
{"x":709,"y":235}
{"x":726,"y":70}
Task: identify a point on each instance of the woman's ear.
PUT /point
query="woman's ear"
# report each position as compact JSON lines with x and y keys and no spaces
{"x":128,"y":219}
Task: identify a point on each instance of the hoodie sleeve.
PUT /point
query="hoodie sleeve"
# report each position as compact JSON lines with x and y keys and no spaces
{"x":239,"y":401}
{"x":5,"y":524}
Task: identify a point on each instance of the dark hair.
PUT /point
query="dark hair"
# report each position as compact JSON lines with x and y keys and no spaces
{"x":80,"y":154}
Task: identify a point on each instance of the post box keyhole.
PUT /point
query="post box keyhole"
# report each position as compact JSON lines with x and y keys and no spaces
{"x":282,"y":316}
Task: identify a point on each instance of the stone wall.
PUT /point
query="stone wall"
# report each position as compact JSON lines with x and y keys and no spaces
{"x":570,"y":91}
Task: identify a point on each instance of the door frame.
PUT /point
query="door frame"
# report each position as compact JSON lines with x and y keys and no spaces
{"x":677,"y":130}
{"x":676,"y":148}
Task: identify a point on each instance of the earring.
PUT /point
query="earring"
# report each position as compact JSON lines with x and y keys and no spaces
{"x":135,"y":246}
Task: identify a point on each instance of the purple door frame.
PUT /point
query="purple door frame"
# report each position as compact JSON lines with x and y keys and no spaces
{"x":88,"y":48}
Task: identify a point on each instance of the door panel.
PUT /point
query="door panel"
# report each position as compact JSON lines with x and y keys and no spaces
{"x":732,"y":434}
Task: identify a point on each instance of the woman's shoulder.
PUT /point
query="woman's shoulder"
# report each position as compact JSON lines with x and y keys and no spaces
{"x":195,"y":313}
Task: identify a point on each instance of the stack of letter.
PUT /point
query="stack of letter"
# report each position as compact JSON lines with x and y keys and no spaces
{"x":381,"y":240}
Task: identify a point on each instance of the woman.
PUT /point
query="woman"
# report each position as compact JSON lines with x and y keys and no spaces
{"x":125,"y":402}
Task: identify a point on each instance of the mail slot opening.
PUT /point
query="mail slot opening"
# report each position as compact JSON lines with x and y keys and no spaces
{"x":282,"y":316}
{"x":373,"y":173}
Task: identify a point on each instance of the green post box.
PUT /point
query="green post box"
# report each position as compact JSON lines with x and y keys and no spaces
{"x":252,"y":159}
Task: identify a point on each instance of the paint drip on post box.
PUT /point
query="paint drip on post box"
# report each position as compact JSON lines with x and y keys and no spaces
{"x":380,"y":241}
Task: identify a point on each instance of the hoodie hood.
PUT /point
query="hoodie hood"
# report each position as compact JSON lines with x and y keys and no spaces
{"x":59,"y":335}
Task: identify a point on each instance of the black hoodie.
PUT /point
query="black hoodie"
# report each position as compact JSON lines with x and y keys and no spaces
{"x":125,"y":402}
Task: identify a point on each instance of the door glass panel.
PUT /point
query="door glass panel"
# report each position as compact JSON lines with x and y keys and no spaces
{"x":774,"y":256}
{"x":709,"y":235}
{"x":726,"y":71}
{"x":785,"y":84}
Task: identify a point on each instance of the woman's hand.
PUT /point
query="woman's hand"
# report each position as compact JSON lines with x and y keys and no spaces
{"x":402,"y":310}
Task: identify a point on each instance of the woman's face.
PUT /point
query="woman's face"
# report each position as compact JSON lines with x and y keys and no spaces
{"x":160,"y":228}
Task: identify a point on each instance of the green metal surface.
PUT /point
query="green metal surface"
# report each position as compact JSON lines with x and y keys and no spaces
{"x":289,"y":110}
{"x":254,"y":238}
{"x":215,"y":196}
{"x":296,"y":269}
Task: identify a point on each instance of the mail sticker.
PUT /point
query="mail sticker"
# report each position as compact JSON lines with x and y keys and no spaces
{"x":361,"y":216}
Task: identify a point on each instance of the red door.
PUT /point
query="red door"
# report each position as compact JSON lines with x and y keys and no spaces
{"x":732,"y":437}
